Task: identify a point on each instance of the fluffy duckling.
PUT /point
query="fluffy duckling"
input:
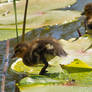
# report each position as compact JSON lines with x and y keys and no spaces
{"x":39,"y":51}
{"x":88,"y":21}
{"x":88,"y":15}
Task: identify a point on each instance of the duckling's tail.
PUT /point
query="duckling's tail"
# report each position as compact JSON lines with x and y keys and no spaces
{"x":59,"y":49}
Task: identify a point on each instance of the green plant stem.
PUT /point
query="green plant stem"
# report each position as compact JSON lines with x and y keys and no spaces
{"x":14,"y":3}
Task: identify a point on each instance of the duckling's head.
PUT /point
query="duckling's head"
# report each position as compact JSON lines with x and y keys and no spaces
{"x":20,"y":49}
{"x":88,"y":15}
{"x":87,"y":10}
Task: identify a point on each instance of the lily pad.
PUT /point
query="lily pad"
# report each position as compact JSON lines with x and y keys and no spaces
{"x":35,"y":12}
{"x":39,"y":20}
{"x":79,"y":72}
{"x":79,"y":62}
{"x":37,"y":80}
{"x":75,"y":49}
{"x":39,"y":14}
{"x":53,"y":18}
{"x":19,"y":67}
{"x":49,"y":18}
{"x":57,"y":89}
{"x":77,"y":66}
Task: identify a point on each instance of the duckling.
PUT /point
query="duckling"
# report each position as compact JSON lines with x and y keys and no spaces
{"x":88,"y":16}
{"x":88,"y":21}
{"x":39,"y":51}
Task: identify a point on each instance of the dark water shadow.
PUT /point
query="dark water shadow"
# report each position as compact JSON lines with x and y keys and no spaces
{"x":79,"y":5}
{"x":66,"y":31}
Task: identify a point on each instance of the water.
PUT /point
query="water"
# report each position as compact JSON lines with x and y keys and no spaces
{"x":58,"y":31}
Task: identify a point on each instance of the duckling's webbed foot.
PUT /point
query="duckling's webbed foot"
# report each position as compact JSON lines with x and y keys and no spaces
{"x":43,"y":70}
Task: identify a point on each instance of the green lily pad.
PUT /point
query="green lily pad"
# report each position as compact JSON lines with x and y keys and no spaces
{"x":39,"y":14}
{"x":37,"y":9}
{"x":57,"y":89}
{"x":75,"y":49}
{"x":19,"y":67}
{"x":50,"y":18}
{"x":77,"y":66}
{"x":36,"y":80}
{"x":78,"y":63}
{"x":80,"y":69}
{"x":53,"y":18}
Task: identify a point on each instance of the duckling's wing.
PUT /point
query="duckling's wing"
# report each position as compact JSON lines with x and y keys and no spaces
{"x":57,"y":48}
{"x":52,"y":46}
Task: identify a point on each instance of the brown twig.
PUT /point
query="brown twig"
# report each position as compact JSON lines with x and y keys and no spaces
{"x":79,"y":33}
{"x":24,"y":23}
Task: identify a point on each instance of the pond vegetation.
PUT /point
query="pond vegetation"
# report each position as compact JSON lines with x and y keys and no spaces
{"x":59,"y":19}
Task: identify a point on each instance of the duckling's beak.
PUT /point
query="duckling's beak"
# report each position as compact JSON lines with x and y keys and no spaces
{"x":13,"y":56}
{"x":83,"y":13}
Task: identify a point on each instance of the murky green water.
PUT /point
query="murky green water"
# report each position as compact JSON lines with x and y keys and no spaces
{"x":58,"y":31}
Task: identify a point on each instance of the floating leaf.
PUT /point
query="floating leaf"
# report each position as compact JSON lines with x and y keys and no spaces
{"x":19,"y":67}
{"x":37,"y":12}
{"x":77,"y":66}
{"x":75,"y":49}
{"x":35,"y":80}
{"x":78,"y":63}
{"x":57,"y":89}
{"x":53,"y":18}
{"x":50,"y":18}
